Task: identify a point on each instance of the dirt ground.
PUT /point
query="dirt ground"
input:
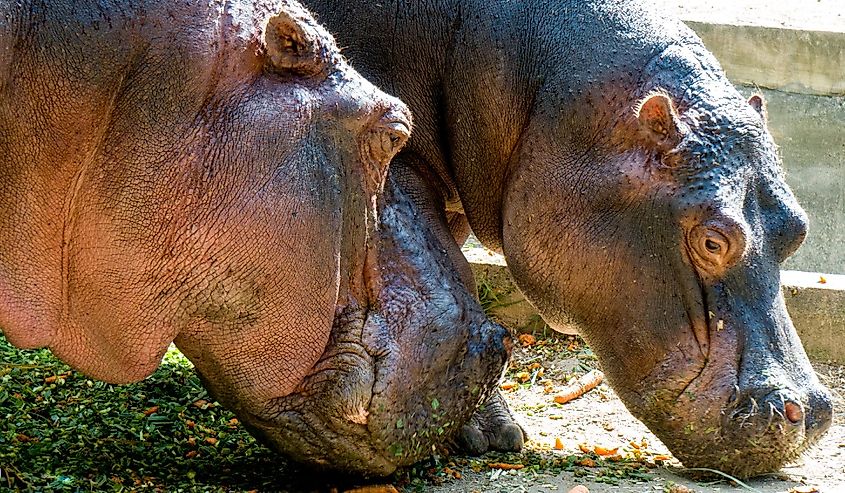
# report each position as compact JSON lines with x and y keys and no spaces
{"x":599,"y":417}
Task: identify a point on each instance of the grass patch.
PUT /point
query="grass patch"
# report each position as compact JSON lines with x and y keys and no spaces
{"x":61,"y":431}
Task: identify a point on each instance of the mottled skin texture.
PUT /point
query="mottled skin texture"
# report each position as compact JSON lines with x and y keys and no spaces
{"x":599,"y":145}
{"x":213,"y":174}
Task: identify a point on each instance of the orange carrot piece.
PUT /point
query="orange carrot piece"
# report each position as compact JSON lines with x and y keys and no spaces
{"x":586,"y":383}
{"x":383,"y":488}
{"x":505,"y":466}
{"x":604,"y":451}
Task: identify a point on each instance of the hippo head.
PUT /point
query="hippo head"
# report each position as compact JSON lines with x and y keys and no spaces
{"x":661,"y":235}
{"x":223,"y":186}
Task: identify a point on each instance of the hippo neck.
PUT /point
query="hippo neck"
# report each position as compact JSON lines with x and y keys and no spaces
{"x":490,"y":87}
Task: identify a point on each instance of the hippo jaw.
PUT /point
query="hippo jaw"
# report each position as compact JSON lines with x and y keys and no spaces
{"x":400,"y":375}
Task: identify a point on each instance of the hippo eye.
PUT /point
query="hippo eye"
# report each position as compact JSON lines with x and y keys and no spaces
{"x":715,"y":244}
{"x":392,"y":136}
{"x":712,"y":246}
{"x":712,"y":250}
{"x":385,"y":140}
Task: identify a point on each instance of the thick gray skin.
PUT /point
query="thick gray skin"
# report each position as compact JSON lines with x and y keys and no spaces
{"x":212,"y":174}
{"x":601,"y":148}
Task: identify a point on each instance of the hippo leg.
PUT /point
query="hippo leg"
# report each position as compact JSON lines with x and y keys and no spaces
{"x":400,"y":375}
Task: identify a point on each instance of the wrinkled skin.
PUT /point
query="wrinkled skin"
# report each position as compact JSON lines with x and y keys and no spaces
{"x":214,"y":175}
{"x":600,"y":147}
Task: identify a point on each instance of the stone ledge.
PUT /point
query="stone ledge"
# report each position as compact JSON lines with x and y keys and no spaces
{"x":817,"y":308}
{"x":795,"y":46}
{"x":807,"y":62}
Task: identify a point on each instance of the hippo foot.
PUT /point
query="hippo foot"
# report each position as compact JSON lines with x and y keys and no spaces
{"x":492,"y":427}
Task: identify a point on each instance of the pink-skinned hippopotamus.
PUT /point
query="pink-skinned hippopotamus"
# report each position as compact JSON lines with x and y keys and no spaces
{"x":600,"y":147}
{"x":214,"y":174}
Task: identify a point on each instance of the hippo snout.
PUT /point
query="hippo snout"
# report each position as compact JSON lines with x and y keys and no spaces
{"x":781,"y":412}
{"x":761,"y":428}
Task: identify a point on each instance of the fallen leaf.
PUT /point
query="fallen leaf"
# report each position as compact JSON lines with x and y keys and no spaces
{"x":804,"y":489}
{"x":191,"y":454}
{"x":51,"y":379}
{"x":558,"y":443}
{"x":822,"y":280}
{"x":586,"y":462}
{"x":211,"y":441}
{"x":523,"y":376}
{"x":678,"y":488}
{"x":151,"y":410}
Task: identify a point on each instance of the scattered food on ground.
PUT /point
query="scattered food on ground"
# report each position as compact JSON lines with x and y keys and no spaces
{"x":61,"y":431}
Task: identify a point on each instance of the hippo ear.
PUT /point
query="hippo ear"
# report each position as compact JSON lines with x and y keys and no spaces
{"x":759,"y":104}
{"x":296,"y":44}
{"x":659,"y":120}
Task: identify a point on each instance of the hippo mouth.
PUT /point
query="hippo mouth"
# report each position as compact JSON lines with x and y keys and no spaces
{"x":742,"y":432}
{"x":717,"y":405}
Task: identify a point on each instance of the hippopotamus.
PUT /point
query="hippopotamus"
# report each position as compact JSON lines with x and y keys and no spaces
{"x":214,"y":174}
{"x":599,"y":146}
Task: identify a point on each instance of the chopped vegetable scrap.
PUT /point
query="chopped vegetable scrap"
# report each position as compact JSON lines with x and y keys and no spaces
{"x":586,"y":383}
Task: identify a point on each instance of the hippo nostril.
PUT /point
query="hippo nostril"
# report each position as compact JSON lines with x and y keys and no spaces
{"x":793,"y":412}
{"x":819,"y":411}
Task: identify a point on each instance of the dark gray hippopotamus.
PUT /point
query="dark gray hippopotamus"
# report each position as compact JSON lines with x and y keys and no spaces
{"x":600,"y":147}
{"x":212,"y":173}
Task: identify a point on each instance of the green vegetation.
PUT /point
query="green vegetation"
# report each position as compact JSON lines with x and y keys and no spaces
{"x":60,"y":431}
